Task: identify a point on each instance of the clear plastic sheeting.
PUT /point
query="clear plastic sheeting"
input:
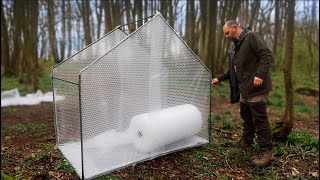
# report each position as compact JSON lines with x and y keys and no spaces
{"x":147,"y":96}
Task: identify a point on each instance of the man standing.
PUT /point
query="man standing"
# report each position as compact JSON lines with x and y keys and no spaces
{"x":250,"y":83}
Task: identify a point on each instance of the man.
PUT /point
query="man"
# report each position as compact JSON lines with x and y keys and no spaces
{"x":250,"y":83}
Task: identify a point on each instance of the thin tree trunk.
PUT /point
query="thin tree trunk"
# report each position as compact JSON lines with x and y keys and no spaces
{"x":145,"y":10}
{"x":288,"y":117}
{"x":172,"y":17}
{"x":203,"y":19}
{"x":139,"y":12}
{"x":63,"y":29}
{"x":30,"y":33}
{"x":128,"y":14}
{"x":16,"y":58}
{"x":69,"y":13}
{"x":107,"y":16}
{"x":5,"y":56}
{"x":164,"y":8}
{"x":276,"y":27}
{"x":52,"y":32}
{"x":98,"y":9}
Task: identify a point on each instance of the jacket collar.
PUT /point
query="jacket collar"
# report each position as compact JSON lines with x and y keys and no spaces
{"x":242,"y":36}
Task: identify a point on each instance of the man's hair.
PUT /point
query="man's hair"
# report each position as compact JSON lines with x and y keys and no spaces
{"x":230,"y":23}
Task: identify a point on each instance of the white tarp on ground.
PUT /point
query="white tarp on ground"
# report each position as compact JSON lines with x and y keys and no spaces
{"x":13,"y":98}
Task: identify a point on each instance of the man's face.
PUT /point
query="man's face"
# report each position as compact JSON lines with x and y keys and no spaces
{"x":230,"y":33}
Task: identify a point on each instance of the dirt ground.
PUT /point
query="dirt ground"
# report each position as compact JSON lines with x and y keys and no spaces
{"x":18,"y":149}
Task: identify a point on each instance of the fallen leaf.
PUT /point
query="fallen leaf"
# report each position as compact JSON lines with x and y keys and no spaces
{"x":206,"y":158}
{"x":295,"y":172}
{"x":314,"y":174}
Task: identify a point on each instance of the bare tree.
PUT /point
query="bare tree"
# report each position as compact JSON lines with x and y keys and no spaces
{"x":85,"y":10}
{"x":30,"y":33}
{"x":5,"y":56}
{"x":288,"y":117}
{"x":139,"y":12}
{"x":52,"y":31}
{"x":98,"y":10}
{"x":69,"y":27}
{"x":16,"y":58}
{"x":107,"y":15}
{"x":63,"y":29}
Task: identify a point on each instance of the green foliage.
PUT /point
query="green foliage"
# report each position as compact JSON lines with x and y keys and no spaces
{"x":215,"y":118}
{"x":222,"y":90}
{"x":11,"y":82}
{"x":5,"y":177}
{"x":227,"y":112}
{"x":23,"y":128}
{"x":64,"y":166}
{"x":227,"y":124}
{"x":303,"y":139}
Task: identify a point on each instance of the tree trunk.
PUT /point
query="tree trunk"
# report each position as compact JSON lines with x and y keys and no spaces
{"x":85,"y":11}
{"x":145,"y":10}
{"x":128,"y":14}
{"x":164,"y":8}
{"x":139,"y":13}
{"x":30,"y":33}
{"x":16,"y":58}
{"x":288,"y":117}
{"x":211,"y":30}
{"x":99,"y":16}
{"x":172,"y":17}
{"x":5,"y":56}
{"x":69,"y":13}
{"x":63,"y":29}
{"x":107,"y":15}
{"x":52,"y":32}
{"x":276,"y":27}
{"x":203,"y":19}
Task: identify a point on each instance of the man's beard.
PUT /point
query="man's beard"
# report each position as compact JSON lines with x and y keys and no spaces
{"x":234,"y":37}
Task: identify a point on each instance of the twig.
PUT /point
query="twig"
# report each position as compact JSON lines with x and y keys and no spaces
{"x":224,"y":131}
{"x":228,"y":163}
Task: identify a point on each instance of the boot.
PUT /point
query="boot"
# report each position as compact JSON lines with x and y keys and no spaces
{"x":263,"y":159}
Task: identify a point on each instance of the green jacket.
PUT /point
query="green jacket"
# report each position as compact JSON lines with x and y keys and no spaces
{"x":248,"y":57}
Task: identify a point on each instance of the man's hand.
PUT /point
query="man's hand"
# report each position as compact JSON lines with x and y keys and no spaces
{"x":215,"y":81}
{"x":257,"y":82}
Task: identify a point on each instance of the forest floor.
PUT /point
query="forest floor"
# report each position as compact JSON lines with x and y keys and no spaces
{"x":28,"y":139}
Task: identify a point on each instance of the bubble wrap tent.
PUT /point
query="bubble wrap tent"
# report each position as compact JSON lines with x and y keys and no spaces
{"x":129,"y":98}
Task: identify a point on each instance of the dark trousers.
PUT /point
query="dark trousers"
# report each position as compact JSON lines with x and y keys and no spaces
{"x":254,"y":115}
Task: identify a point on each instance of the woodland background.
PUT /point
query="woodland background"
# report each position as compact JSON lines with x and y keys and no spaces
{"x":37,"y":34}
{"x":35,"y":31}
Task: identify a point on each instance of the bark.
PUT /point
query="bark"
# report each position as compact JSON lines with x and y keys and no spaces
{"x":164,"y":8}
{"x":85,"y":10}
{"x":107,"y":16}
{"x":288,"y":117}
{"x":210,"y":39}
{"x":145,"y":10}
{"x":16,"y":58}
{"x":276,"y":27}
{"x":5,"y":56}
{"x":63,"y":29}
{"x":203,"y":19}
{"x":52,"y":31}
{"x":30,"y":33}
{"x":128,"y":14}
{"x":98,"y":10}
{"x":172,"y":17}
{"x":139,"y":13}
{"x":69,"y":13}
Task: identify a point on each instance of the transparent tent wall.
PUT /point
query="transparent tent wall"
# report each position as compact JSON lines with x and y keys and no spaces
{"x":65,"y":85}
{"x":149,"y":71}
